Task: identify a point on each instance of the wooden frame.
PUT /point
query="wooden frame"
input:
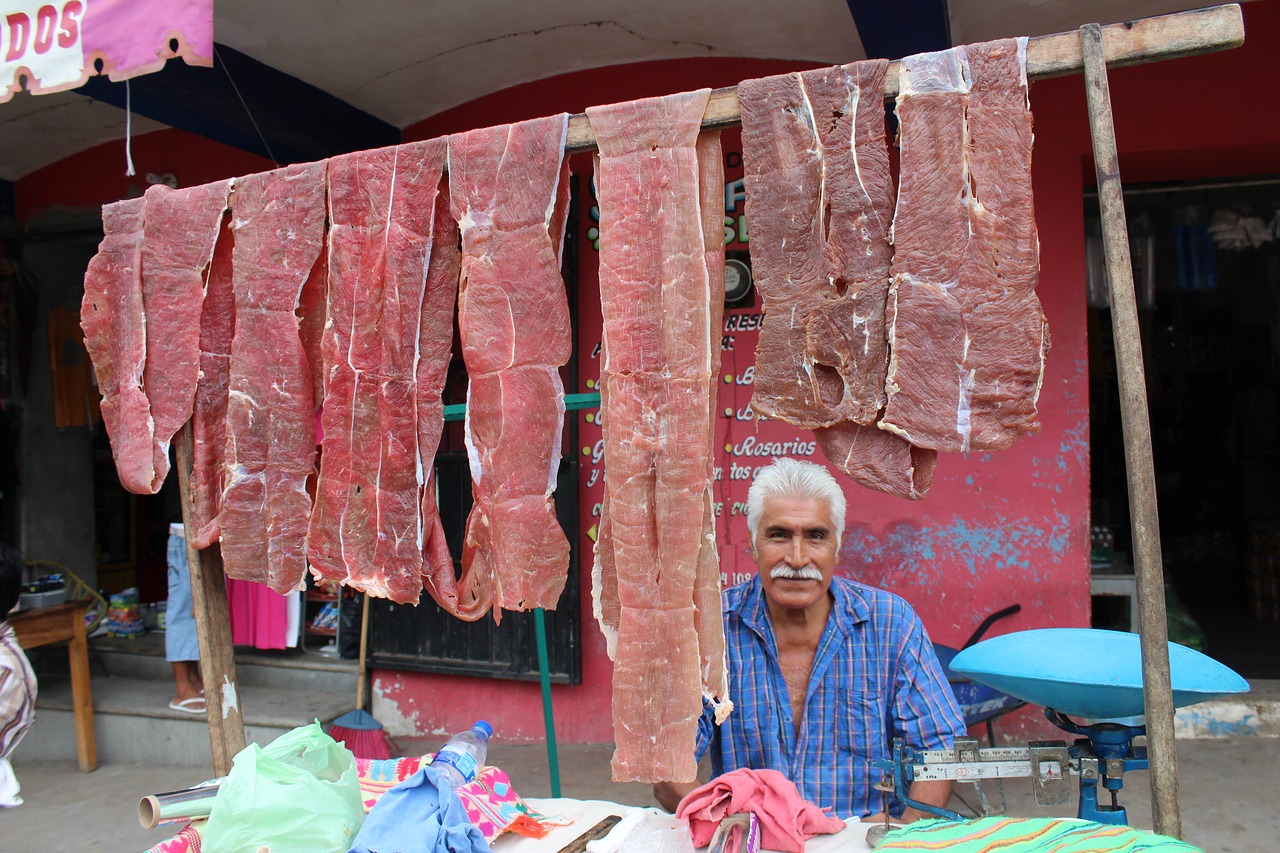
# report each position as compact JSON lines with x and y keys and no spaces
{"x":1092,"y":49}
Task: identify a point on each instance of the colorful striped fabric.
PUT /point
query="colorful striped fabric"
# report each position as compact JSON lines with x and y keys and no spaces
{"x":491,"y":802}
{"x":1029,"y":835}
{"x":377,"y":776}
{"x":17,"y":690}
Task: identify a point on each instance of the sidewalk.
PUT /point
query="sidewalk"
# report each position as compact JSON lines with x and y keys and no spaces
{"x":1227,"y":787}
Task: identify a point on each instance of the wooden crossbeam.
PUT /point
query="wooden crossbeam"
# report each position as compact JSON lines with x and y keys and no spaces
{"x":1128,"y":43}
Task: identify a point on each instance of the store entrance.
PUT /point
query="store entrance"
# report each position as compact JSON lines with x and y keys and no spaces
{"x":1207,"y":271}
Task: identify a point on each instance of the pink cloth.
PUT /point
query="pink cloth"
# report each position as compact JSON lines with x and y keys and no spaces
{"x":259,"y":615}
{"x":787,"y":820}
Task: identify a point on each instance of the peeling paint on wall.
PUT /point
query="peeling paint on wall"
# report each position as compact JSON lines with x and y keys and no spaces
{"x":911,"y":554}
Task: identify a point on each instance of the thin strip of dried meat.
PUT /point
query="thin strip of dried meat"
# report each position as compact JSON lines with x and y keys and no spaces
{"x":708,"y":618}
{"x":313,"y":314}
{"x":506,"y":193}
{"x":209,"y":414}
{"x":278,"y":218}
{"x":967,"y":336}
{"x":115,"y":330}
{"x":178,"y":240}
{"x":468,"y":600}
{"x":367,"y":527}
{"x":657,"y":298}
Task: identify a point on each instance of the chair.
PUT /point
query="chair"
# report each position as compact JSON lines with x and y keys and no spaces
{"x":978,"y":703}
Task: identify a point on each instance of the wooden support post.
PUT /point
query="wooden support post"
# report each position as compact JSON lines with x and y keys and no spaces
{"x":362,"y":669}
{"x":213,"y":626}
{"x":81,"y":699}
{"x":1157,"y":688}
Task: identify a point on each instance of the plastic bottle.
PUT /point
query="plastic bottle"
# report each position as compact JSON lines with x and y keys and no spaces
{"x":462,"y":756}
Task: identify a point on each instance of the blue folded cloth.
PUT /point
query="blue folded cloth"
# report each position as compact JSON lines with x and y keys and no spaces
{"x":420,"y":815}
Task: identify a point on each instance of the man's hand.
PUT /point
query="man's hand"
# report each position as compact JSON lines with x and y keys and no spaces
{"x":669,"y":794}
{"x":935,"y":792}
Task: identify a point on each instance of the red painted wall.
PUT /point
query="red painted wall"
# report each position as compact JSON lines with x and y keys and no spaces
{"x":96,"y":177}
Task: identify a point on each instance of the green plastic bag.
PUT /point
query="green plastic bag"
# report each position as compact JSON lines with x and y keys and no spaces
{"x":298,"y":794}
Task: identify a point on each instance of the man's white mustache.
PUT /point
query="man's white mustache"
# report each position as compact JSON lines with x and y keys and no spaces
{"x":784,"y":572}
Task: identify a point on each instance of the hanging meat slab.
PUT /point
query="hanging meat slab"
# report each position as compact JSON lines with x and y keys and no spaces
{"x":178,"y":240}
{"x":508,"y":190}
{"x":278,"y":218}
{"x":657,"y":255}
{"x":209,"y":414}
{"x":367,"y":529}
{"x":819,"y":205}
{"x":604,"y":577}
{"x":878,"y":459}
{"x":115,"y":333}
{"x":967,"y":335}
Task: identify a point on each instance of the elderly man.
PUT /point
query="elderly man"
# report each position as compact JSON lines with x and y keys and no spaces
{"x":824,"y":672}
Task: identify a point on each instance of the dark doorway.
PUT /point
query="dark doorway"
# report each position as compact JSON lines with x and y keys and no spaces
{"x":1207,"y":270}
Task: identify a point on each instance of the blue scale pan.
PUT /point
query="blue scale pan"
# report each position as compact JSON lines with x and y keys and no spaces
{"x":1087,"y":672}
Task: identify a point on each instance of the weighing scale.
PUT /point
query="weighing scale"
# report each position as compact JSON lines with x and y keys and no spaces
{"x":1087,"y":673}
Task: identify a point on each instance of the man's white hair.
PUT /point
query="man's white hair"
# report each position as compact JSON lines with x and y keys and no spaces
{"x":795,"y":478}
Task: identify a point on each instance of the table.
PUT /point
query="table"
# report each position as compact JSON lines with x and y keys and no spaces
{"x":587,"y":813}
{"x":65,"y":623}
{"x":1119,"y":581}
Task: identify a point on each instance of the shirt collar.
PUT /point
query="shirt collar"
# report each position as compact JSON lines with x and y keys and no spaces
{"x":848,"y":608}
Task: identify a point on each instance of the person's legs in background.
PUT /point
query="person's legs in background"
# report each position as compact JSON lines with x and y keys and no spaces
{"x":180,"y":645}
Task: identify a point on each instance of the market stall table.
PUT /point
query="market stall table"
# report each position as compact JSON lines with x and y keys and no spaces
{"x":585,"y":814}
{"x":65,"y":623}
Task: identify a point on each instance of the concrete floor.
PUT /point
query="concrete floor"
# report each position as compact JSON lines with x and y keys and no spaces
{"x":1228,"y":795}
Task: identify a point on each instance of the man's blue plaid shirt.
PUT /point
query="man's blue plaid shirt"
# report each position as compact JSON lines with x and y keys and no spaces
{"x":875,"y":675}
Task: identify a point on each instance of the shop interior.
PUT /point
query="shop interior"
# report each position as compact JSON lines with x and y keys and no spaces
{"x":1206,"y":261}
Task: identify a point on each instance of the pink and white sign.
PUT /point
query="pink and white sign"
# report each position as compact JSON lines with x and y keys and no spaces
{"x":54,"y":45}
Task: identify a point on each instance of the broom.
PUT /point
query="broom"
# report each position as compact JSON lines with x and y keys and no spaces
{"x":358,"y":729}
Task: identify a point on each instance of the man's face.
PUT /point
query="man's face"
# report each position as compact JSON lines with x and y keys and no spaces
{"x":795,"y":550}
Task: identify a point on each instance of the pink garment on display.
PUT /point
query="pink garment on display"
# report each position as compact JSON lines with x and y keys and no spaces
{"x":787,"y":820}
{"x":259,"y":615}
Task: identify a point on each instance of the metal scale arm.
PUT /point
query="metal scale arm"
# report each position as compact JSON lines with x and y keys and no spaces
{"x":1047,"y":763}
{"x":1104,"y":754}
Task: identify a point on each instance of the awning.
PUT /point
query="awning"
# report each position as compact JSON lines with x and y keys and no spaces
{"x":54,"y":45}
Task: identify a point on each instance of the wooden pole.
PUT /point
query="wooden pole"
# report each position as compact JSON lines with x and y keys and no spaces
{"x":213,"y":626}
{"x":362,"y":670}
{"x":1129,"y":43}
{"x":1157,"y":688}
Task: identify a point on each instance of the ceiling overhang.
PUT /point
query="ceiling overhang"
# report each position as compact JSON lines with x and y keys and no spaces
{"x":319,"y":79}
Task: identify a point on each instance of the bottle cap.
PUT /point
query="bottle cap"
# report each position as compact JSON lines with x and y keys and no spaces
{"x":483,"y":728}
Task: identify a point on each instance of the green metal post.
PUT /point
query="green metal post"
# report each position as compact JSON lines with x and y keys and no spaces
{"x":544,"y":672}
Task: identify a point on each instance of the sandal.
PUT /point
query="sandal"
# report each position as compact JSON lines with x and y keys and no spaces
{"x":188,"y":706}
